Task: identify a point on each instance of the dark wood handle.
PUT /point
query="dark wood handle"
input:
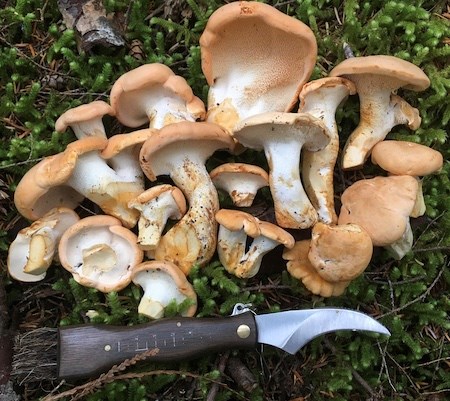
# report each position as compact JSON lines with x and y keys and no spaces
{"x":88,"y":350}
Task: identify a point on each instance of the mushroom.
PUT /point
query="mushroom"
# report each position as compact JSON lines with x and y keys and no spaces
{"x":255,"y":59}
{"x":181,"y":150}
{"x":100,"y":253}
{"x":408,"y":158}
{"x":64,"y":179}
{"x":321,"y":98}
{"x":382,"y":206}
{"x":156,"y":205}
{"x":376,"y":77}
{"x":282,"y":136}
{"x":122,"y":154}
{"x":34,"y":248}
{"x":234,"y":228}
{"x":153,"y":94}
{"x":300,"y":267}
{"x":85,"y":120}
{"x":339,"y":253}
{"x":162,"y":282}
{"x":241,"y":181}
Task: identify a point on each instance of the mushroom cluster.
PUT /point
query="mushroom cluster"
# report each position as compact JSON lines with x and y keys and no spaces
{"x":250,"y":105}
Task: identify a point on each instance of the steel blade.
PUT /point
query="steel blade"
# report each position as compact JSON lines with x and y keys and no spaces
{"x":291,"y":330}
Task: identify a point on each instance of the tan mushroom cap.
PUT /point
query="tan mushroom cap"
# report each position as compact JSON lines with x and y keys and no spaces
{"x":118,"y":143}
{"x":406,"y":158}
{"x":94,"y":263}
{"x":158,"y":190}
{"x":411,"y":76}
{"x":178,"y":136}
{"x":340,"y":253}
{"x":322,"y":83}
{"x":124,"y":93}
{"x":240,"y":180}
{"x":175,"y":273}
{"x":276,"y":233}
{"x":83,"y":113}
{"x":236,"y":220}
{"x":381,"y":206}
{"x":300,"y":267}
{"x":232,"y":28}
{"x":42,"y":187}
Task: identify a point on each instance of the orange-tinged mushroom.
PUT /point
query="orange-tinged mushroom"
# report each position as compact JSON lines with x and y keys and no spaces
{"x":376,"y":77}
{"x":255,"y":59}
{"x":100,"y":253}
{"x":162,"y":282}
{"x":153,"y":94}
{"x":181,"y":150}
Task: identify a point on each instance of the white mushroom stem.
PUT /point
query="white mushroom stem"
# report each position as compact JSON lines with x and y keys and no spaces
{"x":154,"y":216}
{"x":85,"y":120}
{"x":231,"y":246}
{"x":402,"y":246}
{"x":318,"y":167}
{"x":283,"y":136}
{"x":380,"y":111}
{"x":92,"y":127}
{"x":93,"y":178}
{"x":242,"y":264}
{"x":127,"y":167}
{"x":165,"y":109}
{"x":159,"y":290}
{"x":194,"y":236}
{"x":292,"y":206}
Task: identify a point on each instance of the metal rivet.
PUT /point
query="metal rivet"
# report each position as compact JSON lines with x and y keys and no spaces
{"x":107,"y":347}
{"x":243,"y":331}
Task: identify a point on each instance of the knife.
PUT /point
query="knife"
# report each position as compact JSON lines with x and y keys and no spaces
{"x":87,"y":350}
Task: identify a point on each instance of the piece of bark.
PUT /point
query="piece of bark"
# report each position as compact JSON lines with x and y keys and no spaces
{"x":88,"y":18}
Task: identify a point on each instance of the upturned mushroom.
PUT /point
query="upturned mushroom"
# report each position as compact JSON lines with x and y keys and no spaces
{"x":100,"y":253}
{"x":376,"y":77}
{"x":255,"y":59}
{"x":153,"y":94}
{"x":163,"y":282}
{"x":321,"y":98}
{"x":180,"y":150}
{"x":382,"y":206}
{"x":35,"y":247}
{"x":156,"y":206}
{"x":234,"y":229}
{"x":85,"y":120}
{"x":282,"y":136}
{"x":66,"y":178}
{"x":241,"y":181}
{"x":300,"y":267}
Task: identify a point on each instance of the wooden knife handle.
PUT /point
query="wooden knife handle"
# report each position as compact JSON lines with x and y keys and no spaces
{"x":88,"y":350}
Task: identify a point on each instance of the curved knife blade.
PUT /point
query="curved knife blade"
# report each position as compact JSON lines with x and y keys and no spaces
{"x":291,"y":330}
